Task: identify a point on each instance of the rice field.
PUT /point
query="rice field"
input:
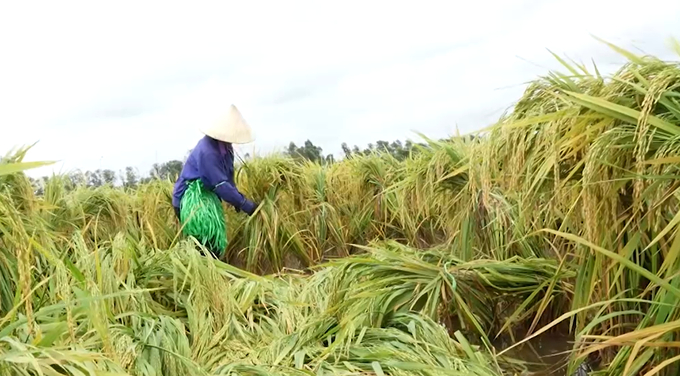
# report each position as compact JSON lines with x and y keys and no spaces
{"x":559,"y":220}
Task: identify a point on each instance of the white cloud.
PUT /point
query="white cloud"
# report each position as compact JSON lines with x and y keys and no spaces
{"x":117,"y":84}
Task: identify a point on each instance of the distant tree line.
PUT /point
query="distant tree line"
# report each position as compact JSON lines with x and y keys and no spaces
{"x":311,"y":152}
{"x":131,"y":178}
{"x":399,"y":150}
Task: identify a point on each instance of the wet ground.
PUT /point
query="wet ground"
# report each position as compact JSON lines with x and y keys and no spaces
{"x":545,"y":355}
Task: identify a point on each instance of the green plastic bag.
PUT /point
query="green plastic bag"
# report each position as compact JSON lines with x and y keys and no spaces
{"x":202,"y":216}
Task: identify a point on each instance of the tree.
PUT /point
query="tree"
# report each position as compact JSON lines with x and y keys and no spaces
{"x":167,"y":171}
{"x":108,"y":177}
{"x":93,"y":179}
{"x":77,"y":178}
{"x":309,"y":152}
{"x":131,"y":178}
{"x":395,"y":148}
{"x":346,"y":150}
{"x":100,"y":177}
{"x":38,"y":185}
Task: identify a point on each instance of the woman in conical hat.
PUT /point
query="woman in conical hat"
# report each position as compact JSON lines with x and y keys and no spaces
{"x":208,"y":177}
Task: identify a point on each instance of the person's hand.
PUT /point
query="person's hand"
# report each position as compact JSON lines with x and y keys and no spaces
{"x":249,"y":207}
{"x":255,"y":206}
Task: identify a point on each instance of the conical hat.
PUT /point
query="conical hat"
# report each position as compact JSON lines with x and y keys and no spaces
{"x":230,"y":127}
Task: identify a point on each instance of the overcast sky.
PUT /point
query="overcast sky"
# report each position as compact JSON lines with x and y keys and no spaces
{"x":122,"y":83}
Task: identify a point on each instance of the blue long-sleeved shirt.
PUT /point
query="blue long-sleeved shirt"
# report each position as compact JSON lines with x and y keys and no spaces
{"x":212,"y":161}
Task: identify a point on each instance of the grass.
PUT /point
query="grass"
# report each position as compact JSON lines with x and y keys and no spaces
{"x":563,"y":216}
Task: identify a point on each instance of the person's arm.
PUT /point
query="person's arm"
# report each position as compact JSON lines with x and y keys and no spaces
{"x":216,"y":180}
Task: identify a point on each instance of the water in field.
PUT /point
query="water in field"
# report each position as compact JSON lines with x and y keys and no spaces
{"x":545,"y":355}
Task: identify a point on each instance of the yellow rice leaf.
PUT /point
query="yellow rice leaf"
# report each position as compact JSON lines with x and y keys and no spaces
{"x":621,"y":112}
{"x":675,"y":159}
{"x":12,"y":168}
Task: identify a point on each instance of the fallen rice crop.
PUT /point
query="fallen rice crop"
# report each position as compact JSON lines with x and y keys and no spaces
{"x":562,"y":216}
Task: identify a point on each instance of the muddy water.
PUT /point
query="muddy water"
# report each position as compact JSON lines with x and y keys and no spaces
{"x":544,"y":355}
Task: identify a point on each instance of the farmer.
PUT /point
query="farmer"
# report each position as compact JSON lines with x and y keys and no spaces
{"x":207,"y":177}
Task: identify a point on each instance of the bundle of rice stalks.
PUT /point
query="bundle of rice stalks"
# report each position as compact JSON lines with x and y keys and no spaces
{"x":427,"y":191}
{"x":355,"y":215}
{"x":413,"y":346}
{"x":269,"y":240}
{"x":394,"y":278}
{"x":19,"y":358}
{"x":324,"y":224}
{"x":154,"y":215}
{"x":260,"y":177}
{"x":15,"y":182}
{"x":100,"y":212}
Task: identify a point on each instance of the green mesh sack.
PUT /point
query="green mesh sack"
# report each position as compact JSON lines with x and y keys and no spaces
{"x":202,"y":216}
